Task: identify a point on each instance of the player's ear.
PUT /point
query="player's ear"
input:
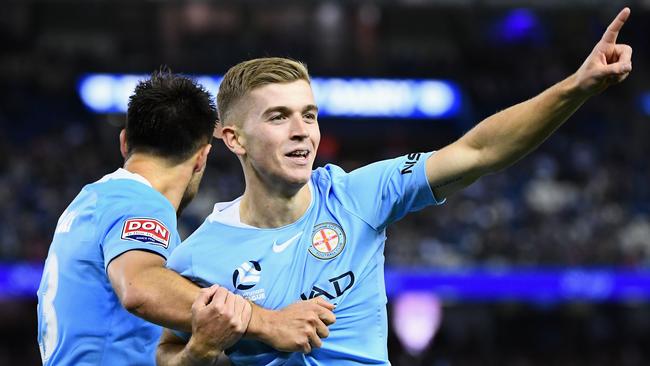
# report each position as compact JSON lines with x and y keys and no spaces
{"x":123,"y":147}
{"x":202,"y":158}
{"x":231,"y":136}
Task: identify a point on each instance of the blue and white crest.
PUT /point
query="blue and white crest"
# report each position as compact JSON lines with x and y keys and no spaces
{"x":247,"y":275}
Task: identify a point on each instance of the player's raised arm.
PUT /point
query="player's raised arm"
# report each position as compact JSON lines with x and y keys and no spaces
{"x":505,"y":137}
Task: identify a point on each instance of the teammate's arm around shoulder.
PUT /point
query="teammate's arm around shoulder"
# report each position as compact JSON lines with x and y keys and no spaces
{"x":142,"y":283}
{"x":219,"y":319}
{"x":505,"y":137}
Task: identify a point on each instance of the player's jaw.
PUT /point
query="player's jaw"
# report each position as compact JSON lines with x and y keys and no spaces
{"x":190,"y":192}
{"x":297,"y":163}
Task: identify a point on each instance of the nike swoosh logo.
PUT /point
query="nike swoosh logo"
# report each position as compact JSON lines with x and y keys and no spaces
{"x":278,"y":248}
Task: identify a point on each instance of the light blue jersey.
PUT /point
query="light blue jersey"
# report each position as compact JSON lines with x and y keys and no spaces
{"x":80,"y":318}
{"x":335,"y":250}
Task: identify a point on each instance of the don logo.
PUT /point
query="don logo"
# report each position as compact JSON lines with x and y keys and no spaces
{"x":146,"y":230}
{"x":328,"y":241}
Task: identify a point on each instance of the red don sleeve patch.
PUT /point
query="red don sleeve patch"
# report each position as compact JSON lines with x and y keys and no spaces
{"x":146,"y":230}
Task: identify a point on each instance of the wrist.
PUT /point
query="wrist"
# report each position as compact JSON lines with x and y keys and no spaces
{"x":201,"y":354}
{"x":571,"y":88}
{"x":260,"y":324}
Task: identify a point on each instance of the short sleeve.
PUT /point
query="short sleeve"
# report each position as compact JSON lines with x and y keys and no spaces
{"x":146,"y":227}
{"x":384,"y":192}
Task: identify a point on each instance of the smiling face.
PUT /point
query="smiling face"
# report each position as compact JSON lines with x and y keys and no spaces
{"x":276,"y":134}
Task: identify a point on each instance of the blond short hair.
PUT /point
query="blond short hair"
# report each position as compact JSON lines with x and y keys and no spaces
{"x":251,"y":74}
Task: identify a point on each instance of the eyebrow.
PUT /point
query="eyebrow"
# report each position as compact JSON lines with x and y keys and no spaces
{"x":285,"y":110}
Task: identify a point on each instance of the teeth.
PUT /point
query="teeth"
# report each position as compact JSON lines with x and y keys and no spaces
{"x":299,"y":153}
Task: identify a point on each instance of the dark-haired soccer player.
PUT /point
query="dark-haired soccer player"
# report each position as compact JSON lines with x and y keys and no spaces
{"x":109,"y":248}
{"x":297,"y":233}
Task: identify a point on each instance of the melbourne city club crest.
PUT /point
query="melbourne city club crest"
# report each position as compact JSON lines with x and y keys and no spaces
{"x":328,"y":241}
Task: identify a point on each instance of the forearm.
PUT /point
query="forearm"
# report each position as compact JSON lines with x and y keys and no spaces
{"x":259,"y":325}
{"x":174,"y":354}
{"x":165,"y":298}
{"x":507,"y":136}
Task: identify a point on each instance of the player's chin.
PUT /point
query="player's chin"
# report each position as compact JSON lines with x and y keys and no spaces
{"x":299,"y":177}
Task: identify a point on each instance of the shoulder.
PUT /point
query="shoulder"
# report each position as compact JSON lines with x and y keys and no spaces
{"x":120,"y":200}
{"x":128,"y":192}
{"x":327,"y":175}
{"x":181,"y":259}
{"x":212,"y":232}
{"x":198,"y":250}
{"x":125,"y":189}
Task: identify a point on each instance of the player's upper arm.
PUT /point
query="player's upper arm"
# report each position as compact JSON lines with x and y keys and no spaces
{"x":454,"y":167}
{"x":136,"y":221}
{"x":385,"y":191}
{"x":124,"y":272}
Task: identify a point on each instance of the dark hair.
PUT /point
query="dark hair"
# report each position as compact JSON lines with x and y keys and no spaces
{"x":170,"y":116}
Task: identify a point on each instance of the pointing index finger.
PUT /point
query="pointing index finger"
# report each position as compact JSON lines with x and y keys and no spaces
{"x":611,"y":33}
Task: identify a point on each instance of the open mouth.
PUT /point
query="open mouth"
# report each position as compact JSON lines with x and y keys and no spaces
{"x":298,"y":155}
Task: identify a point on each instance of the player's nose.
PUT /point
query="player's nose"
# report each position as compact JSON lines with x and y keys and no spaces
{"x":299,"y":127}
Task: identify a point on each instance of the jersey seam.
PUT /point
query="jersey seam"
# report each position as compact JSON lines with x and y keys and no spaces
{"x":101,"y":248}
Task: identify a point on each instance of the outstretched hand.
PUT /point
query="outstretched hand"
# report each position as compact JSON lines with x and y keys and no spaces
{"x":609,"y":63}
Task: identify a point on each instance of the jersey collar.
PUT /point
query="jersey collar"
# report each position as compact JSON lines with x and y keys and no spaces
{"x":122,"y":173}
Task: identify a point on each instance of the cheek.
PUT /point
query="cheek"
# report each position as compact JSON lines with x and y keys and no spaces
{"x":315,"y":137}
{"x":265,"y":150}
{"x":262,"y":150}
{"x":267,"y":142}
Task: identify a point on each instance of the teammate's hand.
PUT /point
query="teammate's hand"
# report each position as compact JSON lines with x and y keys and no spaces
{"x":219,"y":319}
{"x":609,"y":63}
{"x":299,"y":327}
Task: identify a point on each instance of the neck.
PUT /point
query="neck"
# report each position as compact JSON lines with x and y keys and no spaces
{"x":170,"y":181}
{"x":263,"y":207}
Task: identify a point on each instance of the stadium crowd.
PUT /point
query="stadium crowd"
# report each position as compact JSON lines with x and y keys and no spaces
{"x":582,"y":199}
